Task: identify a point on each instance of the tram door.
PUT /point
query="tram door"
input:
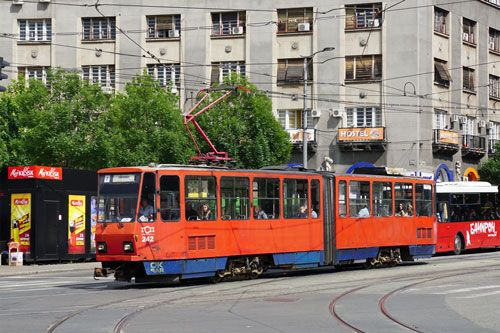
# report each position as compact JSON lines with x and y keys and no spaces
{"x":328,"y":220}
{"x":51,"y":233}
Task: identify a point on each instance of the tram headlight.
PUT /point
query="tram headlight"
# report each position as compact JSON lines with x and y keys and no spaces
{"x":101,"y":247}
{"x":128,"y":247}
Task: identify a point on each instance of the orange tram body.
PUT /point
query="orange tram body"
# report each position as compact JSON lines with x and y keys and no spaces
{"x":172,"y":222}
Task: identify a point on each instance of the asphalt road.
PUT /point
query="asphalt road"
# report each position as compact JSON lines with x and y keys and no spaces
{"x":445,"y":293}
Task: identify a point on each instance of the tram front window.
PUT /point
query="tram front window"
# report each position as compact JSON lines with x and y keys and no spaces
{"x":118,"y":195}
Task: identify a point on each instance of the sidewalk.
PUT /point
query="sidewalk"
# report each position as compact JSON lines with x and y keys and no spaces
{"x":47,"y":268}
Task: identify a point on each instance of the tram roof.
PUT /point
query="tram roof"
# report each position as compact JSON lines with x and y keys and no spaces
{"x":466,"y":187}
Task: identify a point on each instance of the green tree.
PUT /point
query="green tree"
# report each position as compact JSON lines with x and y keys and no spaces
{"x":147,"y":125}
{"x":61,"y":125}
{"x":11,"y":150}
{"x":489,"y":171}
{"x":244,"y":126}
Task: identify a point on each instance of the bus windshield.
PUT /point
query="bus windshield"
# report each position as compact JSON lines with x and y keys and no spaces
{"x":118,"y":195}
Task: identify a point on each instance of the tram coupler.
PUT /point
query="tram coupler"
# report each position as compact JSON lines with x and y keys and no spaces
{"x":102,"y":272}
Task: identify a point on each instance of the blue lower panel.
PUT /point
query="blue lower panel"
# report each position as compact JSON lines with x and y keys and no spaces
{"x":299,"y":259}
{"x":356,"y":254}
{"x":422,"y":251}
{"x":189,"y":268}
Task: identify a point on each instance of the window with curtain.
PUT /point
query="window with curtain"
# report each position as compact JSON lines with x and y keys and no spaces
{"x":367,"y":67}
{"x":364,"y":117}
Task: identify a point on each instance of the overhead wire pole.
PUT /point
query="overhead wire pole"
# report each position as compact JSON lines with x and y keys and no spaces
{"x":304,"y":111}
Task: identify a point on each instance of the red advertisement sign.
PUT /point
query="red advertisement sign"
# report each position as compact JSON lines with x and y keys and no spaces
{"x":35,"y":171}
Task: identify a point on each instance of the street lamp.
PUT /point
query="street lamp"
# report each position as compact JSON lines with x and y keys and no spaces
{"x":304,"y":123}
{"x":418,"y":125}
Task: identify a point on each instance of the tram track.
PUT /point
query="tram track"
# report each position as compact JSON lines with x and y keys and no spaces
{"x":382,"y":301}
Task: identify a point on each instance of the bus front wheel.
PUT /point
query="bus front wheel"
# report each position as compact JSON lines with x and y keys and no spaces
{"x":457,"y":245}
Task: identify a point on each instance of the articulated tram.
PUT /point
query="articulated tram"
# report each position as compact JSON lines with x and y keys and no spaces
{"x":174,"y":222}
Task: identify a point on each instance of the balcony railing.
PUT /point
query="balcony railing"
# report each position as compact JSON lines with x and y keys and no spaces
{"x":362,"y":138}
{"x":473,"y":146}
{"x":445,"y":141}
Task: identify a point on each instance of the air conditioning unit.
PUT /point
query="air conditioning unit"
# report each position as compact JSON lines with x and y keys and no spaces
{"x":17,"y":2}
{"x":492,"y":45}
{"x":462,"y":119}
{"x":304,"y":27}
{"x":173,"y":33}
{"x":374,"y":23}
{"x":107,"y":90}
{"x":465,"y":36}
{"x":336,"y":113}
{"x":481,"y":123}
{"x":316,"y":113}
{"x":489,"y":125}
{"x":237,"y":31}
{"x":455,"y":118}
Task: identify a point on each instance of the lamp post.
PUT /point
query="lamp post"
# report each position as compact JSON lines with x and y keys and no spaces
{"x":304,"y":111}
{"x":418,"y":125}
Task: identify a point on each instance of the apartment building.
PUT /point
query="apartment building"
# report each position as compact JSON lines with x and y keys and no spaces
{"x":412,"y":85}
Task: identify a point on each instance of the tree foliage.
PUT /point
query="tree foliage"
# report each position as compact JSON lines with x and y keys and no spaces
{"x":489,"y":171}
{"x":244,"y":126}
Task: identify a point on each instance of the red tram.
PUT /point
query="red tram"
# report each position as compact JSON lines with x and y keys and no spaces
{"x":467,"y":214}
{"x":171,"y":222}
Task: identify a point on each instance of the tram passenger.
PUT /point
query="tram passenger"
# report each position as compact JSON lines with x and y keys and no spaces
{"x":258,"y":213}
{"x":206,"y":213}
{"x":191,"y":213}
{"x":145,"y":210}
{"x":302,"y":212}
{"x":401,"y":210}
{"x":409,"y":210}
{"x":364,"y":212}
{"x":314,"y":215}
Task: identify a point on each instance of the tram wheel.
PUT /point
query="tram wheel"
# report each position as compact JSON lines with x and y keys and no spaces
{"x":457,"y":248}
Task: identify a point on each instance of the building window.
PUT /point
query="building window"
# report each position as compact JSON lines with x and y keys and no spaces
{"x":295,"y":20}
{"x":99,"y":28}
{"x":230,"y":23}
{"x":103,"y":76}
{"x":291,"y":71}
{"x":368,"y":67}
{"x":468,"y":126}
{"x":440,"y":18}
{"x":165,"y":74}
{"x":37,"y":73}
{"x":440,"y":117}
{"x":468,"y":35}
{"x":292,"y":119}
{"x":494,"y":40}
{"x":441,"y":74}
{"x":35,"y":30}
{"x":494,"y":86}
{"x":468,"y":80}
{"x":493,"y":135}
{"x":225,"y":70}
{"x":495,"y":2}
{"x":165,"y":26}
{"x":363,"y":16}
{"x":364,"y":117}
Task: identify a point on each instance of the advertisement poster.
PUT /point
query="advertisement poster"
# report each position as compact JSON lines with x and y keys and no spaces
{"x":76,"y":224}
{"x":20,"y":217}
{"x":93,"y":222}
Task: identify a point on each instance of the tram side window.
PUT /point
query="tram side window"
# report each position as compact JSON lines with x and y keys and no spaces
{"x":170,"y":209}
{"x":200,"y":191}
{"x":403,"y":193}
{"x":315,"y":199}
{"x":488,"y":206}
{"x":295,"y":198}
{"x":342,"y":198}
{"x":423,"y":199}
{"x":359,"y":199}
{"x":235,"y":198}
{"x":457,"y":212}
{"x":266,"y":198}
{"x":472,"y":207}
{"x":147,"y":205}
{"x":382,"y":199}
{"x":443,"y":206}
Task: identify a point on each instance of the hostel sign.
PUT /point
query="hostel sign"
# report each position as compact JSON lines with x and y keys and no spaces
{"x":361,"y":134}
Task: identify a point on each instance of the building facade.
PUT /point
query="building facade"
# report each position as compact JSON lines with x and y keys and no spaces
{"x":411,"y":85}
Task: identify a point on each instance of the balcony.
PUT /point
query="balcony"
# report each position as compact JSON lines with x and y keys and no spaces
{"x":362,"y":139}
{"x":473,"y":146}
{"x":296,"y":138}
{"x":445,"y":142}
{"x":491,"y":146}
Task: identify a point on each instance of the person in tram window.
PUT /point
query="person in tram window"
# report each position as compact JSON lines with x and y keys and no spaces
{"x":409,"y":210}
{"x":401,"y":210}
{"x":258,"y":213}
{"x":206,"y":213}
{"x":145,"y":211}
{"x":191,"y":213}
{"x":364,"y":212}
{"x":314,"y":215}
{"x":302,"y":212}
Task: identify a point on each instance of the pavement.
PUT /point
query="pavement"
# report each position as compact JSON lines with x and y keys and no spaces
{"x":47,"y":268}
